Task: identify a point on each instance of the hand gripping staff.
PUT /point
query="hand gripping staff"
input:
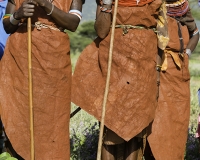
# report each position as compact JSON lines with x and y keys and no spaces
{"x":107,"y":82}
{"x":30,"y":88}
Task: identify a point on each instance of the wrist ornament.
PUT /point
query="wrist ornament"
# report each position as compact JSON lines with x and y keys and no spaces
{"x":188,"y":52}
{"x":105,"y":9}
{"x":6,"y":16}
{"x":14,"y":21}
{"x":52,"y":8}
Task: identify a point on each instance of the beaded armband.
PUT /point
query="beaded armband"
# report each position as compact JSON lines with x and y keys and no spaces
{"x":6,"y":16}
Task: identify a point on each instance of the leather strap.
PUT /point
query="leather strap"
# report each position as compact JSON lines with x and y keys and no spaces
{"x":180,"y":38}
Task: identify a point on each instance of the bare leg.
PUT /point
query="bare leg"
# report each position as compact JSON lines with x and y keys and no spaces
{"x":132,"y":148}
{"x":113,"y":152}
{"x":11,"y":150}
{"x":147,"y":153}
{"x":108,"y":152}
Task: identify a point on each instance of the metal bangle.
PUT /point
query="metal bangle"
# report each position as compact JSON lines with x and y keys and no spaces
{"x":51,"y":9}
{"x":14,"y":21}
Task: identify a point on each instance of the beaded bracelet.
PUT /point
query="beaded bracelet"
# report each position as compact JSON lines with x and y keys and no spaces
{"x":106,"y":10}
{"x":195,"y":31}
{"x":6,"y":16}
{"x":188,"y":52}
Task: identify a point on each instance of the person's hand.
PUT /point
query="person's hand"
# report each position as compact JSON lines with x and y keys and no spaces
{"x":109,"y":2}
{"x":25,"y":10}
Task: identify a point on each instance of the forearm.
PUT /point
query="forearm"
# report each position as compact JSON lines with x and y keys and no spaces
{"x":8,"y":27}
{"x":193,"y":42}
{"x":103,"y":22}
{"x":65,"y":20}
{"x":27,"y":9}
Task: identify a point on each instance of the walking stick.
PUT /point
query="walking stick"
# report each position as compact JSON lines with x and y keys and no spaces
{"x":107,"y":82}
{"x":30,"y":87}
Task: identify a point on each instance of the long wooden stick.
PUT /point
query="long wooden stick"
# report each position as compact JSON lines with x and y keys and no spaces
{"x":30,"y":88}
{"x":107,"y":82}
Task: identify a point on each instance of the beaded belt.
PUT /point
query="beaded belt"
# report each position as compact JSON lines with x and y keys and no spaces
{"x":125,"y":28}
{"x":38,"y":25}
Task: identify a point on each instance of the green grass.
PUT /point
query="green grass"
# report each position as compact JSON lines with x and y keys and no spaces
{"x":194,"y":68}
{"x":74,"y":58}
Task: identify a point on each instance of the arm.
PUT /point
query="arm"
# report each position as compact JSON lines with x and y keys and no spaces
{"x":194,"y":38}
{"x":103,"y":19}
{"x":189,"y":21}
{"x":10,"y":9}
{"x":65,"y":20}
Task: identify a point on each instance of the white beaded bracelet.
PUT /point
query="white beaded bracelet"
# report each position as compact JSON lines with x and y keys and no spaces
{"x":14,"y":21}
{"x":51,"y":10}
{"x":188,"y":52}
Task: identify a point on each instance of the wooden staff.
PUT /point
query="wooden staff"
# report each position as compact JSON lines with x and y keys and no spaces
{"x":30,"y":88}
{"x":107,"y":82}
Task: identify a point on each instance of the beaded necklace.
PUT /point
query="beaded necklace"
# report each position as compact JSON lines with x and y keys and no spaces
{"x":178,"y":8}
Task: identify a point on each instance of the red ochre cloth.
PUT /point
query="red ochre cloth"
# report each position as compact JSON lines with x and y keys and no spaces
{"x":132,"y":94}
{"x":128,"y":3}
{"x":51,"y":70}
{"x":169,"y":129}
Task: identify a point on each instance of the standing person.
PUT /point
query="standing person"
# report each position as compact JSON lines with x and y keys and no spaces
{"x":51,"y":71}
{"x":132,"y":97}
{"x":170,"y":126}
